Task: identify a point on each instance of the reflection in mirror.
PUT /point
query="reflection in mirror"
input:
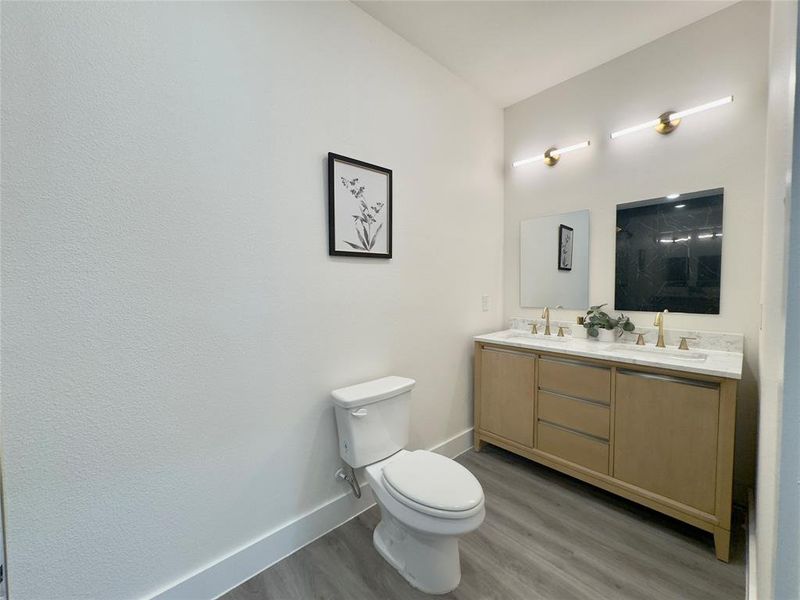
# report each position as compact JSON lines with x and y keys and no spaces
{"x":669,"y":253}
{"x":554,"y":261}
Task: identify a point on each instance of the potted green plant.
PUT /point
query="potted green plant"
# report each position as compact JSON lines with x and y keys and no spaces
{"x":624,"y":324}
{"x":600,"y":325}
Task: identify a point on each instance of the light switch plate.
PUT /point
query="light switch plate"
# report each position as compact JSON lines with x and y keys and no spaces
{"x":485,"y":302}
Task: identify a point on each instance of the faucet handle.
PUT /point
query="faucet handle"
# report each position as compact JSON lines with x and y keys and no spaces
{"x":534,"y":327}
{"x":640,"y":339}
{"x":683,"y":345}
{"x":561,"y":329}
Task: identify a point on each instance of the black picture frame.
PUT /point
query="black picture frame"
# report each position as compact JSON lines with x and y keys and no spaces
{"x":384,"y":206}
{"x":562,"y":265}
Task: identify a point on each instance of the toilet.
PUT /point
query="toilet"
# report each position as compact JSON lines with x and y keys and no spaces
{"x":426,"y":500}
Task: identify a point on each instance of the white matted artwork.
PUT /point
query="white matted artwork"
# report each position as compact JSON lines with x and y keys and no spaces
{"x":554,"y":261}
{"x":359,"y":208}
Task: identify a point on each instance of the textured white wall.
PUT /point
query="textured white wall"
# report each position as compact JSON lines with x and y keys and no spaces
{"x":778,"y":180}
{"x":172,"y":324}
{"x":723,"y":54}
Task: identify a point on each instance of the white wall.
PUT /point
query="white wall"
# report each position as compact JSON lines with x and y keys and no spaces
{"x":778,"y":183}
{"x":172,"y":324}
{"x":723,"y":54}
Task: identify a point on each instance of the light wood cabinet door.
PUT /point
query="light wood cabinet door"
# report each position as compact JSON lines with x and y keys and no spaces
{"x":506,"y":387}
{"x":665,"y":436}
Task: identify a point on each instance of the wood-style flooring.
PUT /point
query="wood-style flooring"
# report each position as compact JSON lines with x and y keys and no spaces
{"x":546,"y":535}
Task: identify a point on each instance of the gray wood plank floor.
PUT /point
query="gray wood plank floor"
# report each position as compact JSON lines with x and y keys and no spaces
{"x":546,"y":535}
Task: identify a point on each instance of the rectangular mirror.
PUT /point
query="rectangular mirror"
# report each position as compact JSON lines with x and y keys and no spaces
{"x":669,"y":253}
{"x":554,"y":261}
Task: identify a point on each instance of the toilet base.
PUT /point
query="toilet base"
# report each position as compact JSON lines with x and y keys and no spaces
{"x":428,"y":562}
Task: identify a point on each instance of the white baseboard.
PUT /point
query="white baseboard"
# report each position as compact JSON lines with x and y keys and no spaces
{"x":217,"y":578}
{"x":456,"y":445}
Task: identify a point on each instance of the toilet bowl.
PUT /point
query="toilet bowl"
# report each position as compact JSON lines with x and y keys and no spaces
{"x":426,"y":500}
{"x":419,"y":529}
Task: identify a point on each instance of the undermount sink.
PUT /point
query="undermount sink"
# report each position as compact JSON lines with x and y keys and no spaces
{"x":687,"y":355}
{"x":536,"y":337}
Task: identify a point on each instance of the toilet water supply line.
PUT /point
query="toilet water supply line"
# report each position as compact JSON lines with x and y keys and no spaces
{"x":350,"y":477}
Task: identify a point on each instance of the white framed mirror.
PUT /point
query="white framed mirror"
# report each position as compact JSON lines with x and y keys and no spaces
{"x":554,"y":261}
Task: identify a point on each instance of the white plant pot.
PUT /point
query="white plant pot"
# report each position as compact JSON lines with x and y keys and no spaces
{"x":607,"y":335}
{"x":579,"y":332}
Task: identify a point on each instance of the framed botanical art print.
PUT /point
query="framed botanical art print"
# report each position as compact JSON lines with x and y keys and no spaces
{"x":565,"y":239}
{"x":359,"y":208}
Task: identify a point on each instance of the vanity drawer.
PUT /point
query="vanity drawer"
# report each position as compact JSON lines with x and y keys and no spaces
{"x":588,"y":417}
{"x":575,"y":379}
{"x":574,"y":447}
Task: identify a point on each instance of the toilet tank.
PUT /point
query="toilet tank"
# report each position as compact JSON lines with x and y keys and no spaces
{"x":372,"y":419}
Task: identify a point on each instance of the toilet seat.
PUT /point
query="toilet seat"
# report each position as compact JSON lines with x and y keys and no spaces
{"x":434,"y":485}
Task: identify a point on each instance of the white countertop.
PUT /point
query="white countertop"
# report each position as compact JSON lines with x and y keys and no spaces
{"x":705,"y":362}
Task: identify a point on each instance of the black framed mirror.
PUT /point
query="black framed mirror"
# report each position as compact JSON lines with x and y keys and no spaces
{"x":669,"y":253}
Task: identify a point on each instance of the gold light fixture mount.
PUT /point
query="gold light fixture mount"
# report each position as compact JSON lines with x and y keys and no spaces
{"x":665,"y":124}
{"x":550,"y":157}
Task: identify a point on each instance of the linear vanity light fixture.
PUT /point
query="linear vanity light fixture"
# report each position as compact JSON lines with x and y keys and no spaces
{"x":551,"y":155}
{"x":668,"y":121}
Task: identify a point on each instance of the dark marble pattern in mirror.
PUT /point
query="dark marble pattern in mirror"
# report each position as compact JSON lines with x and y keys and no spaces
{"x":669,"y":253}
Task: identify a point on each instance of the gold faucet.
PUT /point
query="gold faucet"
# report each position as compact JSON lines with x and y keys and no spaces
{"x":546,"y":317}
{"x":659,"y":321}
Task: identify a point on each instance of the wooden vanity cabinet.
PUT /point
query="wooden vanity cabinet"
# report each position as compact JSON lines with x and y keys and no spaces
{"x":659,"y":437}
{"x":572,"y":411}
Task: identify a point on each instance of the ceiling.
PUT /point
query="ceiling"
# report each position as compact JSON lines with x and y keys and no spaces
{"x":511,"y":50}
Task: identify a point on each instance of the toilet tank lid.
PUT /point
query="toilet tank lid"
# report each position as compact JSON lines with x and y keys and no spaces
{"x":371,"y":391}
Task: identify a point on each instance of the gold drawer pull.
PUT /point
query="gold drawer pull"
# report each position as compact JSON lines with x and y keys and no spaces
{"x":576,"y":398}
{"x":670,"y":379}
{"x":576,"y":363}
{"x":575,"y":431}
